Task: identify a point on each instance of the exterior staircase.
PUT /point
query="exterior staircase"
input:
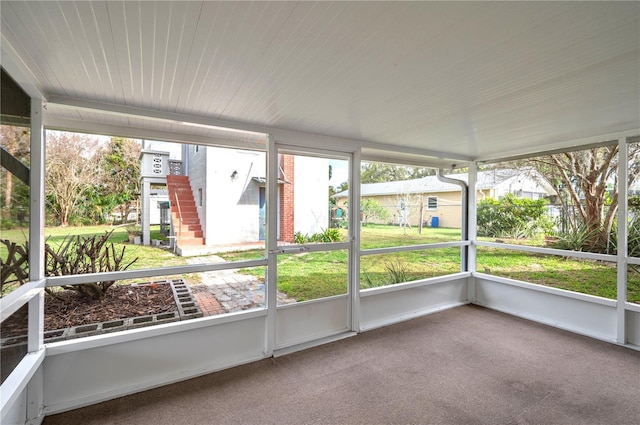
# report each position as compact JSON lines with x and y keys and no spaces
{"x":184,"y":215}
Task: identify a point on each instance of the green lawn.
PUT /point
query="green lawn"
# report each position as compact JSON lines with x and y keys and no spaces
{"x":148,"y":256}
{"x":381,"y":236}
{"x":314,"y":275}
{"x":584,"y":276}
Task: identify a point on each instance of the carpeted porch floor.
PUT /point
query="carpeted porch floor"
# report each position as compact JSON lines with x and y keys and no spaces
{"x":468,"y":365}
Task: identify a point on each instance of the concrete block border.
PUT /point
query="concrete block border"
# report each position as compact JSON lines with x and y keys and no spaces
{"x":188,"y":308}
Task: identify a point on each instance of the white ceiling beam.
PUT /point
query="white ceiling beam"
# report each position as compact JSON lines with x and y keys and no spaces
{"x":557,"y":147}
{"x":279,"y":134}
{"x":61,"y":124}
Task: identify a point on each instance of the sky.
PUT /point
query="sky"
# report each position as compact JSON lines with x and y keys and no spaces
{"x":340,"y":172}
{"x":174,"y":149}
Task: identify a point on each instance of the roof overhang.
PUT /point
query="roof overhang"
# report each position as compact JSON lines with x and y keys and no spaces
{"x":421,"y":83}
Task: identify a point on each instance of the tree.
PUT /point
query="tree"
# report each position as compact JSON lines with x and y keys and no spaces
{"x":70,"y":169}
{"x":634,"y":204}
{"x":15,"y":199}
{"x":376,"y":172}
{"x":120,"y":174}
{"x":372,"y":209}
{"x":333,"y":190}
{"x":587,"y":185}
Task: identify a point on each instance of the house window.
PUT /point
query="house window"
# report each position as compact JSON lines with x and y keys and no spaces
{"x":200,"y":197}
{"x":432,"y":202}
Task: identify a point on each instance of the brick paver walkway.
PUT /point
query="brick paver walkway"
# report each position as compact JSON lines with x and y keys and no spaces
{"x":207,"y":301}
{"x":226,"y":291}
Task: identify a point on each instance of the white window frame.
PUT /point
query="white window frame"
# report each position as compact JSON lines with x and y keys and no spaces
{"x":429,"y":207}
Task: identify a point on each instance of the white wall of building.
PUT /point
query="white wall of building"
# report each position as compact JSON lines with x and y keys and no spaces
{"x":311,"y":183}
{"x":230,"y":211}
{"x":197,"y":171}
{"x":156,"y":197}
{"x":521,"y":186}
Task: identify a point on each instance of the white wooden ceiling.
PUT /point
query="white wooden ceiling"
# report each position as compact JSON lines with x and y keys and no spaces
{"x":466,"y":80}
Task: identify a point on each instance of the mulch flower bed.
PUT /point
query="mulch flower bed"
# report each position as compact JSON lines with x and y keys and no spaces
{"x":69,"y":308}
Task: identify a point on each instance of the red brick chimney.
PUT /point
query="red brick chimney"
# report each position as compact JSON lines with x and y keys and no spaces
{"x":286,"y":198}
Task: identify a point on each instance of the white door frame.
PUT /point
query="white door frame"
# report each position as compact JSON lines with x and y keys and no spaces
{"x":324,"y":307}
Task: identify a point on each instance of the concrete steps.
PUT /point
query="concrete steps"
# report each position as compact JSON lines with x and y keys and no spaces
{"x":186,"y":223}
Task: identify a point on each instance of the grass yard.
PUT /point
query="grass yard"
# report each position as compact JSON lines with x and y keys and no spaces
{"x":148,"y":256}
{"x":382,"y":235}
{"x":313,"y":275}
{"x":584,"y":276}
{"x":388,"y":269}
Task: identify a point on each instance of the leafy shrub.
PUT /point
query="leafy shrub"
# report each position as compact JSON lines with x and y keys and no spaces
{"x":395,"y":272}
{"x":8,"y":224}
{"x":633,"y":240}
{"x":634,"y":204}
{"x":512,"y":217}
{"x":521,"y":231}
{"x":134,"y":230}
{"x":328,"y":235}
{"x":576,"y":239}
{"x":300,"y":238}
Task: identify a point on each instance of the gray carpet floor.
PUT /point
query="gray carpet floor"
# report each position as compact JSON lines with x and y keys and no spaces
{"x":468,"y":365}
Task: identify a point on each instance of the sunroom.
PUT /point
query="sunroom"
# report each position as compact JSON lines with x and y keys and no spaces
{"x":431,"y":88}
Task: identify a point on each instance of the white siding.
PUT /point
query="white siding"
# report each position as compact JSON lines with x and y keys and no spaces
{"x":230,"y":212}
{"x":520,"y":186}
{"x":197,"y":177}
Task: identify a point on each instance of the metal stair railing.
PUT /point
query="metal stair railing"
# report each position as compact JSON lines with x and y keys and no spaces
{"x":177,"y":198}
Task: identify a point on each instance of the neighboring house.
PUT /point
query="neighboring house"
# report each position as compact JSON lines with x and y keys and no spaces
{"x":218,"y":195}
{"x":408,"y":201}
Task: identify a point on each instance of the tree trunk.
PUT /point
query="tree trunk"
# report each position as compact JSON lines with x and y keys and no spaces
{"x":7,"y":190}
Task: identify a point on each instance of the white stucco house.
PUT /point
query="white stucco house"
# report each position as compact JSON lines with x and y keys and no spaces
{"x":218,"y":195}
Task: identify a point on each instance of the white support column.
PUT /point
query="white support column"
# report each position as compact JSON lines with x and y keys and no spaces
{"x":36,"y":224}
{"x":354,"y":235}
{"x":37,"y":196}
{"x":623,"y":234}
{"x":271,"y":245}
{"x":473,"y":230}
{"x":146,"y":211}
{"x":35,"y":339}
{"x":35,"y":326}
